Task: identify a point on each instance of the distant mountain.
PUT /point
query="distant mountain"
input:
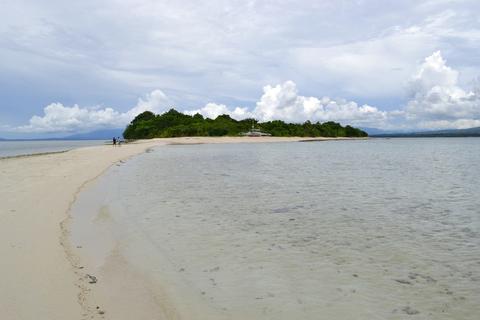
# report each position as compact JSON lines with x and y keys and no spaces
{"x":470,"y":132}
{"x":376,"y":131}
{"x":105,"y":134}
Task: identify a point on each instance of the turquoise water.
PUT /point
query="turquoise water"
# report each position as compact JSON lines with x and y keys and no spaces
{"x":377,"y":229}
{"x":17,"y":148}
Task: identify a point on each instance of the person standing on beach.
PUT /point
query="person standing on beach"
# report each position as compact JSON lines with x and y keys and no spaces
{"x":114,"y":141}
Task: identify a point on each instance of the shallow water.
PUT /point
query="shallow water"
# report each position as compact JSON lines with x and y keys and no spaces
{"x":377,"y":229}
{"x":17,"y":148}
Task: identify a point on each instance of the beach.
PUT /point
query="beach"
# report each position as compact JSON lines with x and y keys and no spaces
{"x":239,"y":160}
{"x":239,"y":228}
{"x":39,"y":275}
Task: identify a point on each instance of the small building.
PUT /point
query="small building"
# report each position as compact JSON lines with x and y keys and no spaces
{"x":253,"y":132}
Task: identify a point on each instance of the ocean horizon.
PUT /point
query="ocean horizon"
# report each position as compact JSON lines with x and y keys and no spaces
{"x":23,"y":147}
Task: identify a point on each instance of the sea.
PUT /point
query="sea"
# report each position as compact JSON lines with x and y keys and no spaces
{"x":366,"y":229}
{"x":12,"y":148}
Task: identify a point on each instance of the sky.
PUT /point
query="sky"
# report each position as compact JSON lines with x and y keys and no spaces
{"x":77,"y":66}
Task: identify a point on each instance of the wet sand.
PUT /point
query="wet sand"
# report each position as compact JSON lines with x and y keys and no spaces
{"x":40,"y":275}
{"x":251,"y":232}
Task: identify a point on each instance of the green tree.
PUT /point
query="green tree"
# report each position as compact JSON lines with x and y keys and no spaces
{"x":176,"y":124}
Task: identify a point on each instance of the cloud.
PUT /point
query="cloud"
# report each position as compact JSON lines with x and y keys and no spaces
{"x":450,"y":124}
{"x":156,"y":101}
{"x":132,"y":46}
{"x":282,"y":102}
{"x":59,"y":118}
{"x":376,"y":66}
{"x":213,"y":110}
{"x":437,"y":100}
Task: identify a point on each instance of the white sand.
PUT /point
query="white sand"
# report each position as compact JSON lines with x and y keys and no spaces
{"x":39,"y":275}
{"x":36,"y":192}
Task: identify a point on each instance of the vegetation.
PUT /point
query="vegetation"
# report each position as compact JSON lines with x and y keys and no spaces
{"x":175,"y":124}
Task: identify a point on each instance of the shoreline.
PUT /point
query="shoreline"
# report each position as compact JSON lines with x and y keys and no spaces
{"x":36,"y":193}
{"x":33,"y":154}
{"x":169,"y":239}
{"x":40,"y":272}
{"x":30,"y":148}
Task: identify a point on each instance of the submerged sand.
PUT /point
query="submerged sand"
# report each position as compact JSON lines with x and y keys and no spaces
{"x":40,"y":275}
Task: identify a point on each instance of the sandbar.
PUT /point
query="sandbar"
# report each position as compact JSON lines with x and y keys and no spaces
{"x":39,"y":275}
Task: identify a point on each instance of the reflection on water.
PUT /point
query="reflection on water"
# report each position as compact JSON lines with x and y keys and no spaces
{"x":379,"y":229}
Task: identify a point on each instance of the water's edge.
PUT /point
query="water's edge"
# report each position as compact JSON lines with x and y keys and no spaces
{"x":117,"y":251}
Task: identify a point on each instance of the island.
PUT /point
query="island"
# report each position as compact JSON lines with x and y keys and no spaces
{"x":176,"y":124}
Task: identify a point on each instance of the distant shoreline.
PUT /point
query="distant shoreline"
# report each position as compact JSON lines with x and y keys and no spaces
{"x":50,"y":139}
{"x":415,"y":136}
{"x":11,"y":148}
{"x":32,"y":154}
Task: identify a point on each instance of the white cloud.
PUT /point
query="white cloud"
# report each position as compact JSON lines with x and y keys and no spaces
{"x":449,"y":124}
{"x":433,"y":73}
{"x":156,"y":101}
{"x":137,"y":45}
{"x":437,"y":100}
{"x":283,"y":102}
{"x":213,"y":110}
{"x":60,"y":118}
{"x":376,"y":66}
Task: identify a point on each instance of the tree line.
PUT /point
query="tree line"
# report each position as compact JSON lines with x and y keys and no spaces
{"x":176,"y":124}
